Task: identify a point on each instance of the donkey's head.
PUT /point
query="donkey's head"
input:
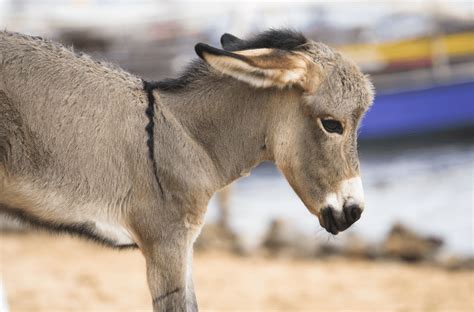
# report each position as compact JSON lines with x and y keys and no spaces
{"x":313,"y":141}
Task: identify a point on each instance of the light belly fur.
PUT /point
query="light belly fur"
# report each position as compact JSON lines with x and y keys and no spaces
{"x":51,"y":207}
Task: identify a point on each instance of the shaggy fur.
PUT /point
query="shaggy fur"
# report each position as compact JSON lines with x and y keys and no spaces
{"x":282,"y":39}
{"x":74,"y":152}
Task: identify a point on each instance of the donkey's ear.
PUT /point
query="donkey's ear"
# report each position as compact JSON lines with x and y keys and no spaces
{"x":229,"y":41}
{"x":263,"y":67}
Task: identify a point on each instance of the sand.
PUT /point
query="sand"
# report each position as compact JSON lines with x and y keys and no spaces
{"x":47,"y":273}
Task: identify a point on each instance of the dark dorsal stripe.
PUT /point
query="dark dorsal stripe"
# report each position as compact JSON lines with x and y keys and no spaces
{"x":150,"y":127}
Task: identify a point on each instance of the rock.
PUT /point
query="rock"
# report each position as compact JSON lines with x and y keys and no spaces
{"x":283,"y":241}
{"x":324,"y":250}
{"x":216,"y":237}
{"x":404,"y":244}
{"x":277,"y":237}
{"x":356,"y":247}
{"x":455,"y":263}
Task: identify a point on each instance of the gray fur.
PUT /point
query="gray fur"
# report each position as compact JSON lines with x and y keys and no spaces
{"x":73,"y":147}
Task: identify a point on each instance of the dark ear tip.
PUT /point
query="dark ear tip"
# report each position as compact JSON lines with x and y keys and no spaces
{"x":226,"y":38}
{"x":228,"y":41}
{"x":200,"y":48}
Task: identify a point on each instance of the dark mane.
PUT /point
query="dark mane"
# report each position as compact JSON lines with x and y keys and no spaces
{"x":193,"y":71}
{"x":283,"y":39}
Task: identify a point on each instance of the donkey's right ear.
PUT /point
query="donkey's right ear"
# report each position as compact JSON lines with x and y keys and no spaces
{"x":264,"y":67}
{"x":228,"y":41}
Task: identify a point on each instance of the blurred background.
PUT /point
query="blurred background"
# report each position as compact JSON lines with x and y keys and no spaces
{"x":416,"y":143}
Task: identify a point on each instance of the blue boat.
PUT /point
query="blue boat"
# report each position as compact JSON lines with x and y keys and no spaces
{"x":424,"y":110}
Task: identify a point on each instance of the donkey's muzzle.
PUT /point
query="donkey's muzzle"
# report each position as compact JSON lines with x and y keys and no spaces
{"x":335,"y":221}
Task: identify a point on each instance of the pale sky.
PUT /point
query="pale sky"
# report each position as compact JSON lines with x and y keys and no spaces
{"x":123,"y":12}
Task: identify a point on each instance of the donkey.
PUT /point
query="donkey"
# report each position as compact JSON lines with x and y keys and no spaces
{"x":89,"y":149}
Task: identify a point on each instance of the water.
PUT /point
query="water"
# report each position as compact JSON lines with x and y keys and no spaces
{"x":431,"y":190}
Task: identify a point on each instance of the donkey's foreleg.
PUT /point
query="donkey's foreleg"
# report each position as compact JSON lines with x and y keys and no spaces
{"x":168,"y":260}
{"x":191,"y":295}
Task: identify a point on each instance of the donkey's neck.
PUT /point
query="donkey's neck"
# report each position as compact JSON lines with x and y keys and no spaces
{"x":229,"y":120}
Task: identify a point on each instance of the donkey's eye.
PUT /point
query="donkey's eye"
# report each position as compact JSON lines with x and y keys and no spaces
{"x":332,"y":126}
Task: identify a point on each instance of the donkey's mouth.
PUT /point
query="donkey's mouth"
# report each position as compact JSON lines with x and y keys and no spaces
{"x":335,"y":221}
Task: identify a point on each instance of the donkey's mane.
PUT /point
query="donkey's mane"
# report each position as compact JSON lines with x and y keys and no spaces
{"x":193,"y":71}
{"x":283,"y":39}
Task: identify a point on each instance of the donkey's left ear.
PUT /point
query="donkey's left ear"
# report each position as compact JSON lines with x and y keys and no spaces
{"x":263,"y":67}
{"x":228,"y":41}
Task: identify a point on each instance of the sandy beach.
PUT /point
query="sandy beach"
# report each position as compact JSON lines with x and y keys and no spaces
{"x":50,"y":273}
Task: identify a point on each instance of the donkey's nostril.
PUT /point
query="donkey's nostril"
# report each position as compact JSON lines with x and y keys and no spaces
{"x":329,"y":223}
{"x":352,"y":213}
{"x":356,"y":212}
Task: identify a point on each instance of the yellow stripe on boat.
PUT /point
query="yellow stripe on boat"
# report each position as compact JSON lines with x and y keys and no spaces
{"x":454,"y":45}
